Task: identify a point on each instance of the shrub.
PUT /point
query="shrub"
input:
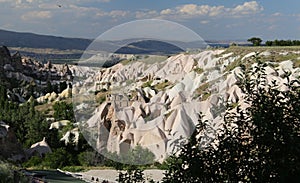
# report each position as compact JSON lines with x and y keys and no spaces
{"x":90,"y":158}
{"x":33,"y":161}
{"x":6,"y":174}
{"x":258,"y":144}
{"x":57,"y":159}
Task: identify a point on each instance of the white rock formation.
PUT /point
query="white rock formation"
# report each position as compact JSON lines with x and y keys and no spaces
{"x":67,"y":137}
{"x":59,"y":124}
{"x":160,"y":119}
{"x":3,"y":129}
{"x":41,"y":148}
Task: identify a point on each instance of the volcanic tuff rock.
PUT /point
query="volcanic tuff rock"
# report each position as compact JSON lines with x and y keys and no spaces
{"x":157,"y":105}
{"x":22,"y":74}
{"x":10,"y":147}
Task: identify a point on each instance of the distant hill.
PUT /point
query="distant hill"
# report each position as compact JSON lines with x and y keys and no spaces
{"x":150,"y":47}
{"x":30,"y":40}
{"x":129,"y":46}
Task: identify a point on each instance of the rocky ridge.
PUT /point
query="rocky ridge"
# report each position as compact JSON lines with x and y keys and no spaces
{"x":157,"y":105}
{"x":26,"y":77}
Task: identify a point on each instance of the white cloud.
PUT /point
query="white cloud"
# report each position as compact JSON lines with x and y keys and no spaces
{"x":247,"y":8}
{"x":190,"y":9}
{"x":117,"y":13}
{"x":146,"y":14}
{"x":204,"y":21}
{"x":48,"y":6}
{"x":194,"y":10}
{"x":166,"y":12}
{"x":34,"y":15}
{"x":276,"y":14}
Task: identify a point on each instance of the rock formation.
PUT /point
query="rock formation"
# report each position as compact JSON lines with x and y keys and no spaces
{"x":157,"y":105}
{"x":10,"y":147}
{"x":24,"y":74}
{"x":40,"y":148}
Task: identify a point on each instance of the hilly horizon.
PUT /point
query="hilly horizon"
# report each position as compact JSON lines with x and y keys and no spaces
{"x":33,"y":40}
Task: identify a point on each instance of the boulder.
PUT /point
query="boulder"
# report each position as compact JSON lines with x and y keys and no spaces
{"x":40,"y":148}
{"x":10,"y":147}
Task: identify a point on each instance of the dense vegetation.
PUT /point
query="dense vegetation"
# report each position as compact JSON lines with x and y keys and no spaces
{"x":258,"y":144}
{"x":255,"y":41}
{"x":28,"y":124}
{"x":283,"y":43}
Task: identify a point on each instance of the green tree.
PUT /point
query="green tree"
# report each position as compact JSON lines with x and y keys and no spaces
{"x":258,"y":144}
{"x":255,"y":41}
{"x":63,"y":110}
{"x":132,"y":162}
{"x":62,"y":86}
{"x":269,"y":43}
{"x":192,"y":163}
{"x":58,"y":158}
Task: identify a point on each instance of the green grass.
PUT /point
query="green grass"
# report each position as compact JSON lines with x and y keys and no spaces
{"x":168,"y":114}
{"x":162,"y":86}
{"x":199,"y":70}
{"x":147,"y":84}
{"x":203,"y":90}
{"x":241,"y":51}
{"x":101,"y":97}
{"x":126,"y":62}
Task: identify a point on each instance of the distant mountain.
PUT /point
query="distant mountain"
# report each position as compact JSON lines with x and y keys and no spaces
{"x":150,"y":47}
{"x":30,"y":40}
{"x":129,"y":46}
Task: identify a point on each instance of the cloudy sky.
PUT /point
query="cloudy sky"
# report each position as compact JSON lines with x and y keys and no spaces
{"x":212,"y":20}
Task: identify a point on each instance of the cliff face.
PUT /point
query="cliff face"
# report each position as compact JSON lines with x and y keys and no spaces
{"x":26,"y":77}
{"x":10,"y":147}
{"x":157,"y":105}
{"x":5,"y":57}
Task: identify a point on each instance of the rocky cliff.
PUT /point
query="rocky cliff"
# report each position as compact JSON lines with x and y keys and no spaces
{"x":157,"y":105}
{"x":26,"y":77}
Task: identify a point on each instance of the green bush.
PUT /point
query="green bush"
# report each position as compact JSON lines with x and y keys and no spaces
{"x":6,"y":173}
{"x":133,"y":174}
{"x":258,"y":144}
{"x":133,"y":162}
{"x":33,"y":162}
{"x":74,"y":168}
{"x":91,"y":158}
{"x":58,"y":159}
{"x":9,"y":173}
{"x":136,"y":156}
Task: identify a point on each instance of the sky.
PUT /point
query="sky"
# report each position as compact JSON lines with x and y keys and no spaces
{"x":212,"y":20}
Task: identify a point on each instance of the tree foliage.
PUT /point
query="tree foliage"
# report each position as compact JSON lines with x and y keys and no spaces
{"x":283,"y":43}
{"x":28,"y":124}
{"x":63,"y":111}
{"x":258,"y":144}
{"x":130,"y":164}
{"x":255,"y":41}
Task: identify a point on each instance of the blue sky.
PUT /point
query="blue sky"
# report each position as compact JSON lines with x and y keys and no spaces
{"x":212,"y":20}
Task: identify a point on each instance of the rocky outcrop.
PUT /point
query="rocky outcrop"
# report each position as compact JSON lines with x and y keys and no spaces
{"x":157,"y":105}
{"x":23,"y":74}
{"x":10,"y":147}
{"x":5,"y":57}
{"x":40,"y":149}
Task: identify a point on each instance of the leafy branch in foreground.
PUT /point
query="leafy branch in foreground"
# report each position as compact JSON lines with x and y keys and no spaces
{"x":259,"y":143}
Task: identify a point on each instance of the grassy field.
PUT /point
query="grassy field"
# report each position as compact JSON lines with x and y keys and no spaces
{"x":277,"y":54}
